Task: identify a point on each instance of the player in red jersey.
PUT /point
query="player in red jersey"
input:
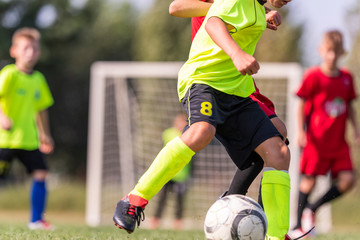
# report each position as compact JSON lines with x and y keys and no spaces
{"x":326,"y":103}
{"x":197,"y":9}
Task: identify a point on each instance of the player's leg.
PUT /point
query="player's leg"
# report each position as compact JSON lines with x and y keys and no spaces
{"x":342,"y":171}
{"x":171,"y":159}
{"x":35,"y":164}
{"x":345,"y":181}
{"x":180,"y":189}
{"x":275,"y":186}
{"x":306,"y":211}
{"x":311,"y":166}
{"x":155,"y":221}
{"x":280,"y":126}
{"x":307,"y":184}
{"x":38,"y":195}
{"x":269,"y":109}
{"x":243,"y":178}
{"x":240,"y":137}
{"x":6,"y":156}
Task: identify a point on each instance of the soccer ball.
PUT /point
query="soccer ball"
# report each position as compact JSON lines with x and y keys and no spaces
{"x":235,"y":217}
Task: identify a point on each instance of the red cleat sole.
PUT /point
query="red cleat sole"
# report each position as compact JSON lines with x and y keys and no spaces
{"x":122,"y":228}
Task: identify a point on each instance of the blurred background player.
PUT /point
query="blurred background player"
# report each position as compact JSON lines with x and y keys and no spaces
{"x":24,"y":132}
{"x":197,"y":9}
{"x":327,"y":94}
{"x":178,"y":184}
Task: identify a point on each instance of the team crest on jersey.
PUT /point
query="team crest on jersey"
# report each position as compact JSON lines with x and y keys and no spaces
{"x":21,"y":91}
{"x":37,"y":95}
{"x":335,"y":108}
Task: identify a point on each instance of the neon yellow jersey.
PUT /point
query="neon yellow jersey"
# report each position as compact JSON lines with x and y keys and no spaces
{"x":22,"y":96}
{"x":209,"y":64}
{"x":168,"y":135}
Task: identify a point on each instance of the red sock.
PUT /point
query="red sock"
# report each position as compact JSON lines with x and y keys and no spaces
{"x":137,"y":201}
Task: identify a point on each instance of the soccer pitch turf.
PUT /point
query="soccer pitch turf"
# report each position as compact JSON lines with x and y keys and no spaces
{"x":65,"y":232}
{"x":71,"y":226}
{"x":70,"y":221}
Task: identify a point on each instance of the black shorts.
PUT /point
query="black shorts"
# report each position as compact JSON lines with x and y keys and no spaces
{"x":32,"y":160}
{"x":240,"y":123}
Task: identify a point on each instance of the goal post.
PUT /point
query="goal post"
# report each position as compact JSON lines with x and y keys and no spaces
{"x":101,"y":72}
{"x":131,"y":103}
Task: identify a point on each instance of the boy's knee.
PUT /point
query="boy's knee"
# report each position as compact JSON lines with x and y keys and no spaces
{"x":284,"y":157}
{"x":40,"y":175}
{"x":275,"y":154}
{"x":199,"y":135}
{"x":307,"y":184}
{"x":346,"y":181}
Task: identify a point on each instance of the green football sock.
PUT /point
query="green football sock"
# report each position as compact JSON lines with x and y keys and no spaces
{"x":170,"y":160}
{"x":275,"y":192}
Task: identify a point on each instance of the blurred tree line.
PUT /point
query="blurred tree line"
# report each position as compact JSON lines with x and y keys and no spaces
{"x":73,"y":37}
{"x":76,"y":33}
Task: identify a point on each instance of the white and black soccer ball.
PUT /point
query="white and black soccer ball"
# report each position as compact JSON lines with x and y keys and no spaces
{"x":235,"y":217}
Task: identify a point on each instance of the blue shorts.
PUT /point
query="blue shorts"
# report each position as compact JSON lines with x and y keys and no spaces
{"x":32,"y":160}
{"x":240,"y":123}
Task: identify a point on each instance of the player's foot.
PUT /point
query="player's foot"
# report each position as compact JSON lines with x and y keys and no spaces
{"x":40,"y":225}
{"x":308,"y":220}
{"x":154,"y":223}
{"x":303,"y":235}
{"x":127,"y":215}
{"x":297,"y":232}
{"x":178,"y":224}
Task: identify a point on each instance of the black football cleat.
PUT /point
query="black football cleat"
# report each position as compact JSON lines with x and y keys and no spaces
{"x":127,"y":216}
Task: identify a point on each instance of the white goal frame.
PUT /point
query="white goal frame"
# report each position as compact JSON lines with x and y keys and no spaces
{"x":124,"y":70}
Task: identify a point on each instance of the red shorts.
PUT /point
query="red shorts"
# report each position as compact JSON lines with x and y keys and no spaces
{"x":313,"y":164}
{"x":265,"y":104}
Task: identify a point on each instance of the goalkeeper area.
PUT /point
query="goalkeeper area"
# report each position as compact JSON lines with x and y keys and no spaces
{"x":132,"y":103}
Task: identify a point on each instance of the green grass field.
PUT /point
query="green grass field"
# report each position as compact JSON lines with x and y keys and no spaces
{"x":66,"y":212}
{"x":64,"y":231}
{"x":18,"y":230}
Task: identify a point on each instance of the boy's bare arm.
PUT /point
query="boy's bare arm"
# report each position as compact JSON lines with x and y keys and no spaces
{"x":5,"y":121}
{"x":198,"y":8}
{"x":219,"y":33}
{"x":354,"y":123}
{"x":46,"y":141}
{"x":301,"y":124}
{"x":189,"y":8}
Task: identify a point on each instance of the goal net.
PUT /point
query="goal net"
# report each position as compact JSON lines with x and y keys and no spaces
{"x":132,"y":103}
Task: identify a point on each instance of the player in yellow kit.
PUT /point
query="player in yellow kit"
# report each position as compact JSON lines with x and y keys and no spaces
{"x":214,"y":87}
{"x":24,"y":132}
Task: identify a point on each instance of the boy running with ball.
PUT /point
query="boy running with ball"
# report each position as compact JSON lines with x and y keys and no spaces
{"x":214,"y":87}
